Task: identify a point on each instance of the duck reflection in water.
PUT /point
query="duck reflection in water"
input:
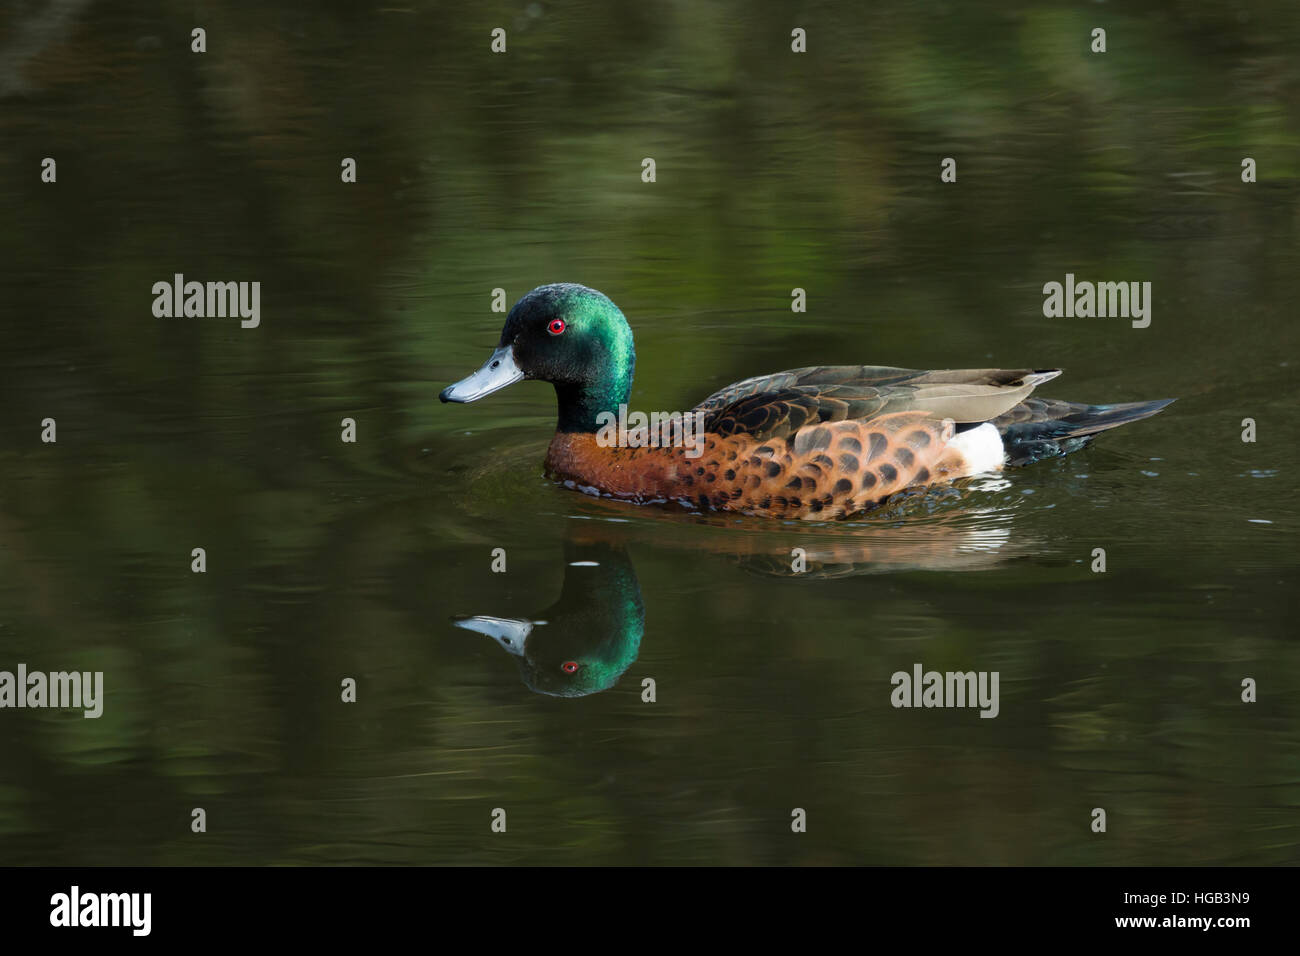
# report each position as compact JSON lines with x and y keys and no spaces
{"x":583,"y":642}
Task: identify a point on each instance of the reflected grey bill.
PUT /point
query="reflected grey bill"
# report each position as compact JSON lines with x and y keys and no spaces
{"x":497,"y":372}
{"x":510,"y":633}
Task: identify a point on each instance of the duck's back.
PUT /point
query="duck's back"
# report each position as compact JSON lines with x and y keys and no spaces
{"x":777,"y":405}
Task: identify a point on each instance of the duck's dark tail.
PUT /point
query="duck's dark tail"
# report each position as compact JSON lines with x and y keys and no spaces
{"x":1041,"y":428}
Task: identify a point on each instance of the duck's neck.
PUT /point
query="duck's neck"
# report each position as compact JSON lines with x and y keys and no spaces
{"x":581,"y":406}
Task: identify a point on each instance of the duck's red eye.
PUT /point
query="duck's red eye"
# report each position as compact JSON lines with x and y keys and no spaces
{"x":556,"y":327}
{"x":569,"y":667}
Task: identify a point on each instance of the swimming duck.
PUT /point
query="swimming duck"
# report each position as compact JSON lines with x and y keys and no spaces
{"x":821,"y":442}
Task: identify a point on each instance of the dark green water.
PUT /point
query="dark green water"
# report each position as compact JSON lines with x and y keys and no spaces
{"x":775,"y":170}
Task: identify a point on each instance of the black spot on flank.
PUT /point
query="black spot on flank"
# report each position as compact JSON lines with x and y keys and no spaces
{"x":868,"y":481}
{"x":823,"y":461}
{"x":796,"y":502}
{"x":843,"y":486}
{"x":877,"y":445}
{"x":699,"y":471}
{"x":889,"y":473}
{"x":918,"y":439}
{"x":688,"y":480}
{"x":755,"y":461}
{"x":765,"y":504}
{"x":815,"y":505}
{"x":730,"y":474}
{"x":795,"y":483}
{"x":849,"y":463}
{"x":923,"y":475}
{"x":703,"y":502}
{"x":904,"y":458}
{"x":851,"y":444}
{"x":765,"y":450}
{"x":773,"y":469}
{"x":710,"y":477}
{"x":780,"y":501}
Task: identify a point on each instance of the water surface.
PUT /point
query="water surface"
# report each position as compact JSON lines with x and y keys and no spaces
{"x":328,"y":561}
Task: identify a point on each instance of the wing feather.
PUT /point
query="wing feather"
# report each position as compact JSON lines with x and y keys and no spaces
{"x":776,"y":406}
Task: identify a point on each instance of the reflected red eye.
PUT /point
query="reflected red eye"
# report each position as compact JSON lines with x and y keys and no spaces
{"x":556,"y":327}
{"x":569,"y":667}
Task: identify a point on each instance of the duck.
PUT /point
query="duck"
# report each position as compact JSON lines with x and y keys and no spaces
{"x":821,"y":442}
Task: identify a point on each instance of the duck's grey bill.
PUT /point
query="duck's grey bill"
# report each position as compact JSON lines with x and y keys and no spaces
{"x":510,"y":633}
{"x":497,"y":372}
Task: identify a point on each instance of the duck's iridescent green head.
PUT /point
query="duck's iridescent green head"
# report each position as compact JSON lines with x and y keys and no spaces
{"x":566,"y":334}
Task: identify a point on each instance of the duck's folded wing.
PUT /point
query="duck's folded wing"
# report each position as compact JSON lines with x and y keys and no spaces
{"x":775,"y":406}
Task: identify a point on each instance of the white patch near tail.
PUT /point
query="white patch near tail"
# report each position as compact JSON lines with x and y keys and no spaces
{"x":981,"y":447}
